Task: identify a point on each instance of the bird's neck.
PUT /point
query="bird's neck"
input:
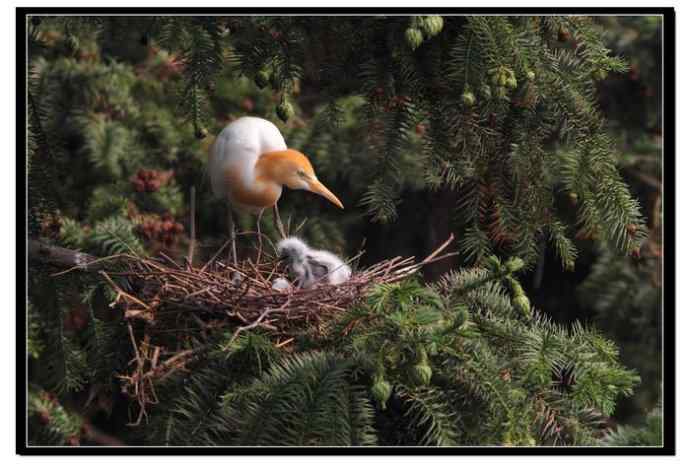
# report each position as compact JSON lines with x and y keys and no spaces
{"x":252,"y":191}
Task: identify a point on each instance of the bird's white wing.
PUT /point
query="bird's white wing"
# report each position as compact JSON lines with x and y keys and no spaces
{"x":239,"y":145}
{"x":267,"y":134}
{"x":221,"y":154}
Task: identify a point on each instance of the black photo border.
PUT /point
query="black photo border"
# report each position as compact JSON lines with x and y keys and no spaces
{"x":668,"y":197}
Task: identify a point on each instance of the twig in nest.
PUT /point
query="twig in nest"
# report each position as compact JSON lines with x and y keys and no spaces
{"x":241,"y":329}
{"x":285,"y":342}
{"x":215,"y":256}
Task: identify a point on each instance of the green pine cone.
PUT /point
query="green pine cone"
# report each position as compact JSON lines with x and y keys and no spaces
{"x":494,"y":263}
{"x":284,"y":110}
{"x":381,"y":391}
{"x":522,"y":304}
{"x":468,"y":98}
{"x":414,"y":37}
{"x":421,"y":374}
{"x":432,"y":25}
{"x":514,"y":264}
{"x":262,"y":78}
{"x":511,"y":81}
{"x":599,"y":74}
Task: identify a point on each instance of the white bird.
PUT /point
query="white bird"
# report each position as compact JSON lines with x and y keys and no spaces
{"x":249,"y":163}
{"x":311,"y":266}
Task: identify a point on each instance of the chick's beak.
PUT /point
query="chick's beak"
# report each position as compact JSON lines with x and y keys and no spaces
{"x":316,"y":187}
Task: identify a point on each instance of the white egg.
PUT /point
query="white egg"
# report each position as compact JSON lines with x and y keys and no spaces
{"x":281,"y":284}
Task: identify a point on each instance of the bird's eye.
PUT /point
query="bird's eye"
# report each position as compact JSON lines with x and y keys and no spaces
{"x":301,"y":173}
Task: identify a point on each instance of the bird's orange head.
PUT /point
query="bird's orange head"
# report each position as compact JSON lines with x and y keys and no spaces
{"x":292,"y":169}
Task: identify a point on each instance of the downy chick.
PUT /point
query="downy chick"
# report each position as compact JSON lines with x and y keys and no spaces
{"x":328,"y":266}
{"x":310,"y":266}
{"x":294,"y":252}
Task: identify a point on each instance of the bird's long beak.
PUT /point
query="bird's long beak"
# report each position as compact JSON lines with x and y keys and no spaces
{"x":316,"y":187}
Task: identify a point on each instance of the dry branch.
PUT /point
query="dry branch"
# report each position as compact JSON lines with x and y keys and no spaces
{"x":62,"y":257}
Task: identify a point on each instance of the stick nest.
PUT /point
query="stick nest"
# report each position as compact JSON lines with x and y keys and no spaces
{"x":168,"y":303}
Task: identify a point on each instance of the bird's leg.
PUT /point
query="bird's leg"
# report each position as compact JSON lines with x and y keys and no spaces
{"x":258,"y":232}
{"x":278,"y":221}
{"x":233,"y":247}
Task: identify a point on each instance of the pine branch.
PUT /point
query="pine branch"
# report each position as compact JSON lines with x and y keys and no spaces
{"x":62,"y":257}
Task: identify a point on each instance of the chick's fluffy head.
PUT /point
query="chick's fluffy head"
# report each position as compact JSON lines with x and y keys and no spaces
{"x":293,"y":248}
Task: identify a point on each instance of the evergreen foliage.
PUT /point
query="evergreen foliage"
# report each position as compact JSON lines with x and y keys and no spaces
{"x":498,"y":113}
{"x":625,"y":294}
{"x":53,"y":425}
{"x":304,"y":400}
{"x":649,"y":434}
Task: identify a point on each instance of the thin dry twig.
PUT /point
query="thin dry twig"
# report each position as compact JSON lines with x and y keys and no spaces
{"x":192,"y":226}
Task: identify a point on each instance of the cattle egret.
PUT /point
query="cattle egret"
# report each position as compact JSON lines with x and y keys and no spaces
{"x":249,"y":163}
